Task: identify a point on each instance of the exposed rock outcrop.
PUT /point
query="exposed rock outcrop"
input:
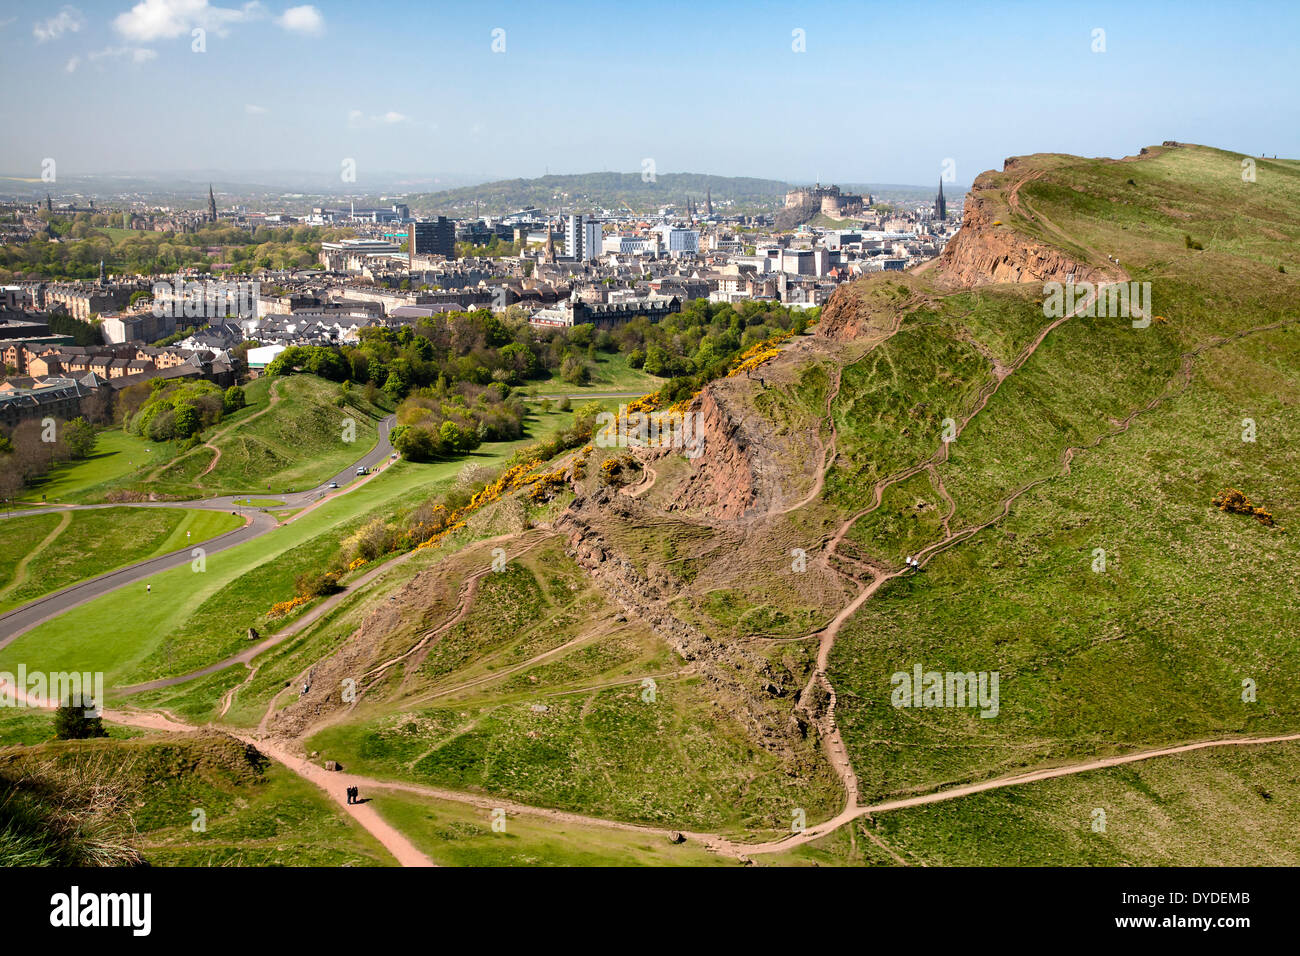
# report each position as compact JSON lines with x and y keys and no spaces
{"x":983,"y":253}
{"x":753,"y":684}
{"x":722,"y":480}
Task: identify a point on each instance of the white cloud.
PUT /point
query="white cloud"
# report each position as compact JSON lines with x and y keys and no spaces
{"x":305,"y":19}
{"x":359,"y":120}
{"x":67,"y":20}
{"x":136,"y":54}
{"x":252,"y":110}
{"x":71,"y":65}
{"x":151,"y":20}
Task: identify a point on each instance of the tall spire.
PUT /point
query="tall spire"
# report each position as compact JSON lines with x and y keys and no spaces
{"x":212,"y":205}
{"x":940,"y":207}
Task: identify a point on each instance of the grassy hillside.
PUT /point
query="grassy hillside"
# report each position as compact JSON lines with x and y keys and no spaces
{"x":538,"y":693}
{"x":1223,"y":807}
{"x":292,"y":435}
{"x":200,"y":800}
{"x":1192,"y":601}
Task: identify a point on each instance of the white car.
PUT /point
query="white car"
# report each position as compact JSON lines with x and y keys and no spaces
{"x":334,"y":484}
{"x":363,"y":470}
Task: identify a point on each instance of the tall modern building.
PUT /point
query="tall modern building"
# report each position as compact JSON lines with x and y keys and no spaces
{"x":582,"y":238}
{"x":940,"y":207}
{"x":433,"y":237}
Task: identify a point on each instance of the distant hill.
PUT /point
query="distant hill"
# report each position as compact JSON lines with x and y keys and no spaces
{"x":588,"y":192}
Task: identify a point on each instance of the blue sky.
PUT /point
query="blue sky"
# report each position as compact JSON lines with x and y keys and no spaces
{"x":882,"y":93}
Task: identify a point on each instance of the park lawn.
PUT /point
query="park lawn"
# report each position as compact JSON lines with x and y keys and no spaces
{"x":458,"y":834}
{"x":610,"y":373}
{"x":117,"y":632}
{"x":117,"y":456}
{"x":19,"y":536}
{"x":93,"y":542}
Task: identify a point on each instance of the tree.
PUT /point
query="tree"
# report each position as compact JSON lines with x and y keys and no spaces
{"x":574,"y":370}
{"x":79,"y":438}
{"x":233,"y":400}
{"x":186,"y":421}
{"x":72,"y":723}
{"x":415,"y":444}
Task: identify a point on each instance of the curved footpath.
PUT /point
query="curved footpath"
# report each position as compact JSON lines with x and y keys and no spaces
{"x":22,"y":619}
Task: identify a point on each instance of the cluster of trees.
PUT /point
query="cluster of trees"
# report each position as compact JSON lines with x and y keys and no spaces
{"x":445,"y":420}
{"x":699,"y":343}
{"x":148,"y":253}
{"x":32,"y":447}
{"x":495,"y":248}
{"x":83,"y":333}
{"x":479,"y":348}
{"x":445,"y":350}
{"x":161,"y":410}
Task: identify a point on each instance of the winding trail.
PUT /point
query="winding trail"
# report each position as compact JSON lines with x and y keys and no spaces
{"x":273,"y":398}
{"x":850,"y":814}
{"x":835,"y":748}
{"x":20,"y":572}
{"x":836,"y":751}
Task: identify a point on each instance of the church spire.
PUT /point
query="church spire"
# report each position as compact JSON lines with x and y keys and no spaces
{"x":940,"y":207}
{"x":212,"y":205}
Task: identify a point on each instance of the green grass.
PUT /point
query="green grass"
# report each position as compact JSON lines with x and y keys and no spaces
{"x":1224,"y":807}
{"x":118,"y":456}
{"x":299,"y":443}
{"x":674,"y":762}
{"x":254,"y":813}
{"x":609,"y":373}
{"x":191,"y":619}
{"x":1192,"y":601}
{"x":456,"y":834}
{"x":96,"y":541}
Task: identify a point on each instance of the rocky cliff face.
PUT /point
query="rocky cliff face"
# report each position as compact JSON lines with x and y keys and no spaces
{"x":984,"y":254}
{"x":721,"y":481}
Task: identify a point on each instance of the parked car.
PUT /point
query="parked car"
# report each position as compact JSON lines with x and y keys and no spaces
{"x":334,"y":484}
{"x":363,"y":470}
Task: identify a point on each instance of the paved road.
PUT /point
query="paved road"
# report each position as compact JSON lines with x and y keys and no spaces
{"x":259,"y":522}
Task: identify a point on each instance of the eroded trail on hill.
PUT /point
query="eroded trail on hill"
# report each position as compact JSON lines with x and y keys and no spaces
{"x":836,"y":750}
{"x":849,"y":814}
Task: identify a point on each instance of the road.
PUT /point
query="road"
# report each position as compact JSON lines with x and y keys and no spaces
{"x":22,"y":619}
